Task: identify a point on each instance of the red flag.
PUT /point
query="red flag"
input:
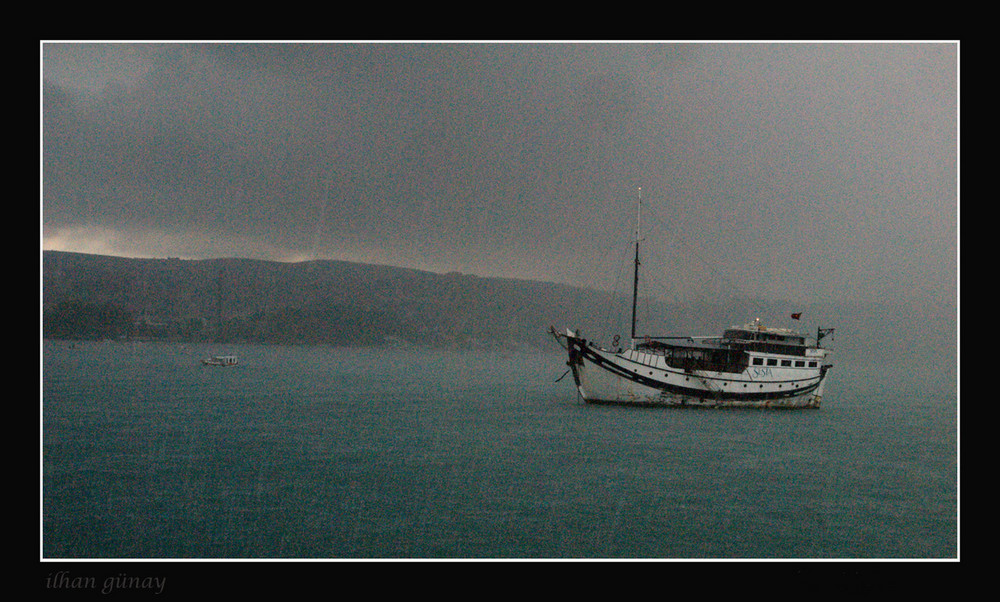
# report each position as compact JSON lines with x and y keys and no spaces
{"x":796,"y":316}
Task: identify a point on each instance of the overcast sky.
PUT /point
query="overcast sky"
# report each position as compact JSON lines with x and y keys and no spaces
{"x":804,"y":171}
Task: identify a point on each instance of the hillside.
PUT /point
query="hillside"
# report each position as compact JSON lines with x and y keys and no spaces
{"x":341,"y":303}
{"x":328,"y":302}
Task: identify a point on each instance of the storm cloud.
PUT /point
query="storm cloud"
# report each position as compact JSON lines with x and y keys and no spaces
{"x":789,"y":170}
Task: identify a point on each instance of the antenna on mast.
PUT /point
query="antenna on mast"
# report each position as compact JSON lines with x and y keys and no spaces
{"x":638,"y":216}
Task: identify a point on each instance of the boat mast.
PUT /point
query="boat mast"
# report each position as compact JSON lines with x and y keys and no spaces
{"x":635,"y":274}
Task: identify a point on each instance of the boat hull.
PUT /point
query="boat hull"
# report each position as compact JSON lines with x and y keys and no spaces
{"x":631,"y":378}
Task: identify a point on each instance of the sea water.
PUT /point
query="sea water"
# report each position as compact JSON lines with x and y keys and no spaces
{"x":344,"y":453}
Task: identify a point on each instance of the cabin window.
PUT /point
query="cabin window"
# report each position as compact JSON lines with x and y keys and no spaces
{"x":772,"y":362}
{"x":786,"y":362}
{"x":799,"y":363}
{"x":758,"y":361}
{"x":812,"y":364}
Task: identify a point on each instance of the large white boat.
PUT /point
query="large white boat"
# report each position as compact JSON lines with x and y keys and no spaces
{"x":747,"y":366}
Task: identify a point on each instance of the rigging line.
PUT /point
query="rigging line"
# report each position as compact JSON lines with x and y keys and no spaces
{"x":711,"y":266}
{"x":605,"y":252}
{"x":652,"y":281}
{"x":682,"y":285}
{"x":608,"y":324}
{"x":646,"y":312}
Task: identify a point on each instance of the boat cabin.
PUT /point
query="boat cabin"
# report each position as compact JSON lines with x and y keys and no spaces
{"x":735,"y":350}
{"x":771,"y":340}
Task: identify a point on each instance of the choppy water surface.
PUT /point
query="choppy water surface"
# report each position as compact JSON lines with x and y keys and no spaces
{"x":315,"y":452}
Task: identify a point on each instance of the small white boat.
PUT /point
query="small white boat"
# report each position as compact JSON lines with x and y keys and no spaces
{"x":221,"y":360}
{"x":747,"y":366}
